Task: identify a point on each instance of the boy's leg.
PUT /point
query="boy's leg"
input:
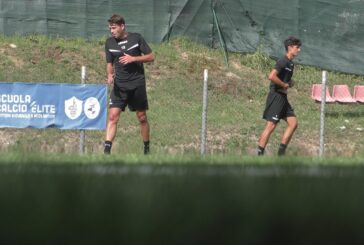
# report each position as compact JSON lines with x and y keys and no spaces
{"x":288,"y":133}
{"x":274,"y":105}
{"x":264,"y":137}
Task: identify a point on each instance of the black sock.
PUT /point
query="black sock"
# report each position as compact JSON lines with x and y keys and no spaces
{"x":282,"y":150}
{"x":260,"y":151}
{"x":146,"y":147}
{"x":107,"y":147}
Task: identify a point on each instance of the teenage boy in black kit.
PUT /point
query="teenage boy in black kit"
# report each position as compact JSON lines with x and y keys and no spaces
{"x":277,"y":105}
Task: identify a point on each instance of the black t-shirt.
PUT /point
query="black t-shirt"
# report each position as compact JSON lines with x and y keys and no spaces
{"x":132,"y":74}
{"x":285,"y":68}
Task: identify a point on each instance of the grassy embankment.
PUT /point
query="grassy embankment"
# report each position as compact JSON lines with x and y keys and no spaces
{"x":236,"y":100}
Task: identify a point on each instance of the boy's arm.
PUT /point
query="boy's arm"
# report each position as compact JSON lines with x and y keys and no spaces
{"x":291,"y":83}
{"x":273,"y":76}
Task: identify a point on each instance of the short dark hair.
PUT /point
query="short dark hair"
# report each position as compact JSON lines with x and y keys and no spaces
{"x":292,"y":41}
{"x":116,"y":19}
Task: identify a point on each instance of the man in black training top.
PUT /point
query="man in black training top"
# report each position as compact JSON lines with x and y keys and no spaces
{"x":125,"y":54}
{"x":277,"y":105}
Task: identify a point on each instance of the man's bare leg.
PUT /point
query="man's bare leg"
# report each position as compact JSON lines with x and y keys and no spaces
{"x":144,"y":129}
{"x":114,"y":115}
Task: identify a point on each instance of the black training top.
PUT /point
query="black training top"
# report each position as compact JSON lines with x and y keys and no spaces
{"x":130,"y":75}
{"x":285,"y":68}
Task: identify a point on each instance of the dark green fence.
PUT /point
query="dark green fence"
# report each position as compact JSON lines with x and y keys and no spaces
{"x":332,"y":31}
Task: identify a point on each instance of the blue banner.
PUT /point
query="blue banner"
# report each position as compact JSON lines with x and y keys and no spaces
{"x":44,"y":105}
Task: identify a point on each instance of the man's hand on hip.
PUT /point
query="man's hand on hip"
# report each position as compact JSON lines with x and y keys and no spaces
{"x":126,"y":59}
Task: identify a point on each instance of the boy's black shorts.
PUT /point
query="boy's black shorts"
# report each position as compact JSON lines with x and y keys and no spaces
{"x":277,"y":107}
{"x":136,"y":98}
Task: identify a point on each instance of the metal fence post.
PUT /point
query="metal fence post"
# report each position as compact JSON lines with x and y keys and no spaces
{"x":82,"y":131}
{"x":322,"y":117}
{"x":204,"y":112}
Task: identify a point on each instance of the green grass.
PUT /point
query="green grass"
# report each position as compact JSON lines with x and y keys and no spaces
{"x":164,"y":159}
{"x":236,"y":100}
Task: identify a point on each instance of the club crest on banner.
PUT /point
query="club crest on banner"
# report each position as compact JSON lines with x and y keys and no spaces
{"x":73,"y":108}
{"x":92,"y":107}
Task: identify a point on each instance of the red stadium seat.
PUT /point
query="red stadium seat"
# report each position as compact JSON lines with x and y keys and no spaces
{"x":341,"y":94}
{"x":316,"y":94}
{"x":359,"y":93}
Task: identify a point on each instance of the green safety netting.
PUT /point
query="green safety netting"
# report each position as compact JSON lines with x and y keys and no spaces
{"x":331,"y":31}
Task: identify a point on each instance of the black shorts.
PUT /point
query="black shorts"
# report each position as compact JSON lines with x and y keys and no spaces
{"x":277,"y":107}
{"x":136,"y":98}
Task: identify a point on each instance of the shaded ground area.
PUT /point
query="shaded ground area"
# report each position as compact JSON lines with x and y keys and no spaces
{"x":184,"y":204}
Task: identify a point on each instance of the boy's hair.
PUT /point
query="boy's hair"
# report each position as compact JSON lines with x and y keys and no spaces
{"x":292,"y":41}
{"x":116,"y":19}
